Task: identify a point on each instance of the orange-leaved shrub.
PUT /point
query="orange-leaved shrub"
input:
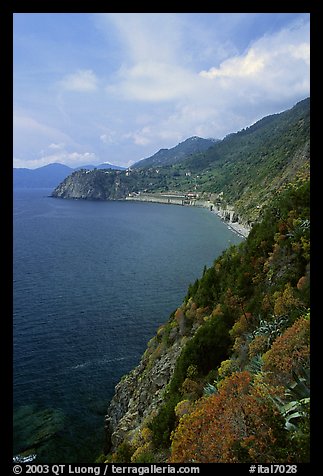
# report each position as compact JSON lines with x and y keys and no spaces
{"x":289,"y":353}
{"x":237,"y":424}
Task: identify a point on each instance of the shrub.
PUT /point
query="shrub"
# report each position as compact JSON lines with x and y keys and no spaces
{"x":208,"y":347}
{"x":182,"y":408}
{"x":286,"y":301}
{"x":191,"y":389}
{"x":237,"y":424}
{"x":258,"y":345}
{"x":227,"y":367}
{"x":143,"y":454}
{"x":123,"y":453}
{"x":164,"y":422}
{"x":289,"y":353}
{"x":241,"y":326}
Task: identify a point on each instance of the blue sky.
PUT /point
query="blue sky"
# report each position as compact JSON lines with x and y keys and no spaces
{"x":94,"y":88}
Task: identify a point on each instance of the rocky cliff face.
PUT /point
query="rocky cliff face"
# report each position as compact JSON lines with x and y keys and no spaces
{"x":139,"y":395}
{"x":92,"y":185}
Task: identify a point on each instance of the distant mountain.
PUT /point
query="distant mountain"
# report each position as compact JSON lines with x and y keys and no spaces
{"x":46,"y":176}
{"x":179,"y":153}
{"x":50,"y":175}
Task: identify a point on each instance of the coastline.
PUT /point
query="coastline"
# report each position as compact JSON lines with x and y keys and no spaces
{"x":234,"y":226}
{"x":226,"y":215}
{"x":239,"y":229}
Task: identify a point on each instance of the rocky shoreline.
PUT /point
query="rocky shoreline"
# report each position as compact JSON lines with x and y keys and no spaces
{"x":227,"y":214}
{"x":235,"y":226}
{"x":239,"y":229}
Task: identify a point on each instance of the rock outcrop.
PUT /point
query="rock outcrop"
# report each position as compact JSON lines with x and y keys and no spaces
{"x":92,"y":185}
{"x":139,"y":394}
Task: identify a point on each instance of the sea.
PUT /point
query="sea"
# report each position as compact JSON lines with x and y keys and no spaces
{"x":92,"y":282}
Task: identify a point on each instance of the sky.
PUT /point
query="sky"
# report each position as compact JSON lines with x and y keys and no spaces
{"x":117,"y":87}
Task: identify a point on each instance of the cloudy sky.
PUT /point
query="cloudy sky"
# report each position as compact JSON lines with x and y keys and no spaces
{"x":94,"y":88}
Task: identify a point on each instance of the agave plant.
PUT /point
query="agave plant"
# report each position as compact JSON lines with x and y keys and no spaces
{"x":298,"y":395}
{"x":209,"y":390}
{"x":293,"y":411}
{"x":255,"y":364}
{"x":271,"y":329}
{"x":301,"y":387}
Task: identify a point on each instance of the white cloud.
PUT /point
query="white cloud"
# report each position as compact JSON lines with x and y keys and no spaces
{"x":249,"y":65}
{"x":301,"y":52}
{"x":45,"y":144}
{"x":146,"y":36}
{"x":54,"y":146}
{"x":140,"y":137}
{"x":273,"y":70}
{"x":152,"y":81}
{"x":27,"y":123}
{"x":82,"y":80}
{"x":154,"y":57}
{"x":165,"y":77}
{"x":108,"y":137}
{"x":264,"y":69}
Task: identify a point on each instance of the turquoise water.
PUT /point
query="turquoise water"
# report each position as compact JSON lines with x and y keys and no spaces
{"x":92,"y":283}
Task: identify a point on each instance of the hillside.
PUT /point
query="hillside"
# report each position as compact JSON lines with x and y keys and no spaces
{"x":250,"y":165}
{"x":177,"y":154}
{"x":241,"y":172}
{"x":226,"y":379}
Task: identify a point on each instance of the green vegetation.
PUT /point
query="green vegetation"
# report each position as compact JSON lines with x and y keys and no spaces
{"x":176,"y":154}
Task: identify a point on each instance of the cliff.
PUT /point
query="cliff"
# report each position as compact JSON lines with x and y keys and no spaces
{"x":140,"y":393}
{"x":92,"y":185}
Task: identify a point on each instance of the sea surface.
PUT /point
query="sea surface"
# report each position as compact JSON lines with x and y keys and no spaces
{"x":92,"y":283}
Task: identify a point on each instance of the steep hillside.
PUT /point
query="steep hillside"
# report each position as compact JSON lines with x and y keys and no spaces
{"x":179,"y":153}
{"x":250,"y":165}
{"x":226,"y":379}
{"x":241,"y":172}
